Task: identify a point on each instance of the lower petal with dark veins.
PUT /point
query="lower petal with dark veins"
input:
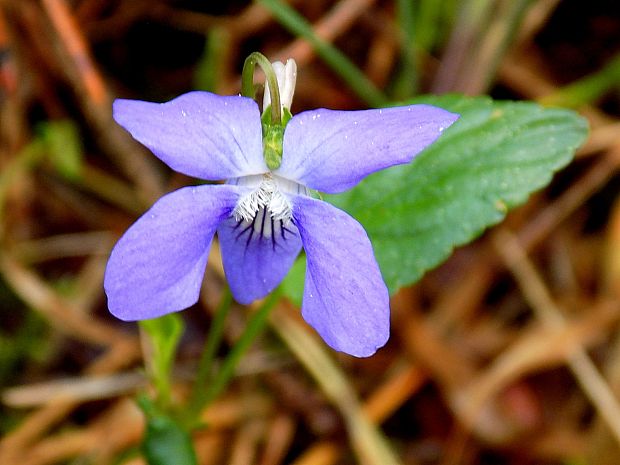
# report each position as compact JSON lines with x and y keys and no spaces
{"x":257,"y":254}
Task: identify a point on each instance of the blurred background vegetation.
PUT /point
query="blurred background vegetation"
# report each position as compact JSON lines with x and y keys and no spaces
{"x":509,"y":353}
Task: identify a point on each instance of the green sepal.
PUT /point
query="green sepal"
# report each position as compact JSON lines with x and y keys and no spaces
{"x":286,"y":116}
{"x":266,"y":119}
{"x":165,"y":442}
{"x":272,"y":145}
{"x":273,"y":137}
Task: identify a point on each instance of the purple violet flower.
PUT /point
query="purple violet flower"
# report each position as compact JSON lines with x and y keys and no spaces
{"x":264,"y":217}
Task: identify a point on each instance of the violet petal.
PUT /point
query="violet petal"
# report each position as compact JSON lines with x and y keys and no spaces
{"x":157,"y":266}
{"x":345,"y":298}
{"x":331,"y":151}
{"x":257,"y":255}
{"x":199,"y":134}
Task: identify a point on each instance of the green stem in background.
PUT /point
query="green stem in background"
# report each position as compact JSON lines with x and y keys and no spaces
{"x":255,"y":325}
{"x":334,"y":58}
{"x":589,"y":88}
{"x":109,"y":188}
{"x":427,"y":28}
{"x":160,"y":350}
{"x":213,"y":341}
{"x":208,"y":74}
{"x":247,"y":83}
{"x":407,"y":81}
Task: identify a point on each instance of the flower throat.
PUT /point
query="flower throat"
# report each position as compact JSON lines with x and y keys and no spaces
{"x":268,"y":190}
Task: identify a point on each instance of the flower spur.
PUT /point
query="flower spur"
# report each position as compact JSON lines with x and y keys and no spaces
{"x":264,"y":214}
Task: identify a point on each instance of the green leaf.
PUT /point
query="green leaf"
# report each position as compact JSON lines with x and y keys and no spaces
{"x":164,"y":333}
{"x":489,"y":161}
{"x":165,"y":441}
{"x":64,"y":146}
{"x":293,"y":284}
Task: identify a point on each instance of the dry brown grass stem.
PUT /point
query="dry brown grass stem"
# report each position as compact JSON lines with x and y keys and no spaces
{"x":382,"y":403}
{"x":78,"y":390}
{"x":279,"y":436}
{"x":550,"y":217}
{"x":366,"y":440}
{"x":60,"y":313}
{"x":536,"y":293}
{"x":80,"y":71}
{"x":338,"y":20}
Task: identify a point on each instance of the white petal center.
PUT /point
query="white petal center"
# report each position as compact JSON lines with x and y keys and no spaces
{"x":269,"y":193}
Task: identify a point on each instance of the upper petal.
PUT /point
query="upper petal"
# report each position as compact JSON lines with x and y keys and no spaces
{"x":345,"y":298}
{"x":257,"y":254}
{"x":158,"y":265}
{"x":200,"y":134}
{"x":331,"y":151}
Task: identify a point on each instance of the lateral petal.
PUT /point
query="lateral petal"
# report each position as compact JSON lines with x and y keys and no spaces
{"x":199,"y":134}
{"x":158,"y":265}
{"x":331,"y":151}
{"x":257,"y":254}
{"x":345,"y":299}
